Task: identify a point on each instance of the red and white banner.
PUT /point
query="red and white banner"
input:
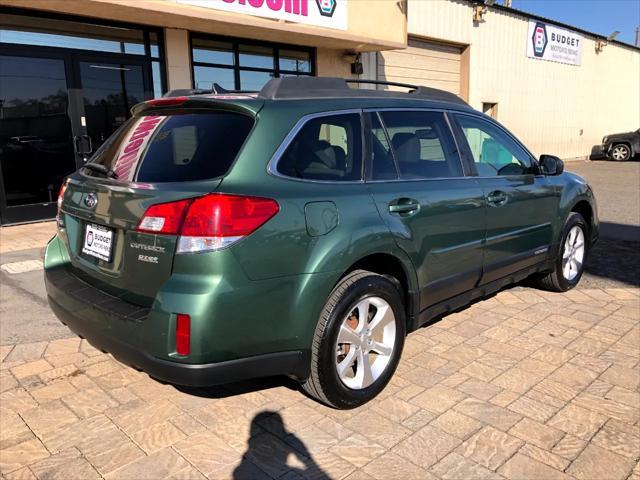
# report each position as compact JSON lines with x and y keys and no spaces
{"x":134,"y":145}
{"x":322,"y":13}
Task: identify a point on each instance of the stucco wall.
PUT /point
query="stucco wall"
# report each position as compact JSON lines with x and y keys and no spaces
{"x":552,"y":107}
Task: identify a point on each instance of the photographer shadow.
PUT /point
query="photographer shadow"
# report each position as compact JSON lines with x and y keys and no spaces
{"x":261,"y":451}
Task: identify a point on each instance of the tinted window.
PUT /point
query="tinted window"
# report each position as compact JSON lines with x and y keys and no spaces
{"x":494,"y":152}
{"x":326,"y":148}
{"x":422,"y":145}
{"x":383,"y":166}
{"x":175,"y":148}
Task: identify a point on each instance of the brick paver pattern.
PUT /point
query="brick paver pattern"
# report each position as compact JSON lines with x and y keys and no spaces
{"x":525,"y":384}
{"x":25,"y":237}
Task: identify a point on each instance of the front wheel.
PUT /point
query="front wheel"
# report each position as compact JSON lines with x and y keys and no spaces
{"x":358,"y":340}
{"x":572,"y":253}
{"x":620,"y":152}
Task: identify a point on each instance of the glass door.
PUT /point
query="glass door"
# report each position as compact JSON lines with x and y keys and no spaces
{"x":36,"y":135}
{"x":56,"y":109}
{"x":109,"y":88}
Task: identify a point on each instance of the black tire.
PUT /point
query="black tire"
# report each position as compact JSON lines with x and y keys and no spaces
{"x":622,"y":152}
{"x":555,"y":281}
{"x":324,"y":383}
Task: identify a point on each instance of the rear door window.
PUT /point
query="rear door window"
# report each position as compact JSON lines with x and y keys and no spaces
{"x":175,"y":148}
{"x":326,"y":148}
{"x":422,"y":144}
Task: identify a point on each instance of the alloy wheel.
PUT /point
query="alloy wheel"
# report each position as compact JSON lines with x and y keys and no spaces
{"x":619,"y":152}
{"x":573,"y":253}
{"x":365,"y":343}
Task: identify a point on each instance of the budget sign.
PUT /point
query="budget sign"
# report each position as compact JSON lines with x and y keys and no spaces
{"x":547,"y":42}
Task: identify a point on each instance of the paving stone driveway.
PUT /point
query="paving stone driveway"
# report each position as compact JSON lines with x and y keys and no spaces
{"x":526,"y":384}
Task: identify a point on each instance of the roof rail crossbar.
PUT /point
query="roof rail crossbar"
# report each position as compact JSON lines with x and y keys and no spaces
{"x":382,"y":82}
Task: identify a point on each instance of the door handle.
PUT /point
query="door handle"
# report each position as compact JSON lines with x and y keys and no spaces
{"x":404,"y":206}
{"x":497,"y":198}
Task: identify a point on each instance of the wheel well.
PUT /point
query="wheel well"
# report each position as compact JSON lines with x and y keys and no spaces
{"x":386,"y":265}
{"x":584,"y":209}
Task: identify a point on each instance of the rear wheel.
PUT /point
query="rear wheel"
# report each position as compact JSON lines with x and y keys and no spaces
{"x":358,"y":341}
{"x":572,"y":253}
{"x":620,"y":152}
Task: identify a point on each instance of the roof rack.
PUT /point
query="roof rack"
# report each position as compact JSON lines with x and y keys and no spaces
{"x":300,"y":88}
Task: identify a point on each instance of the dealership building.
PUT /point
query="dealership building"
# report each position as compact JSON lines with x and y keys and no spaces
{"x":70,"y":70}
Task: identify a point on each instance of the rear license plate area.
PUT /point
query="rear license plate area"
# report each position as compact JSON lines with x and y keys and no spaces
{"x":98,"y":241}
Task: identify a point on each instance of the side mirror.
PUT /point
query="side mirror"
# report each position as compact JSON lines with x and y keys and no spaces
{"x":550,"y":165}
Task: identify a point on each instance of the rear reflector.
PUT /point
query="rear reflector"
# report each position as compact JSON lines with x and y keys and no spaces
{"x":183,"y":334}
{"x":208,"y":223}
{"x":63,"y":188}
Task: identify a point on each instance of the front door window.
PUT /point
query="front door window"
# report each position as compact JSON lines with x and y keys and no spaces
{"x":494,"y":152}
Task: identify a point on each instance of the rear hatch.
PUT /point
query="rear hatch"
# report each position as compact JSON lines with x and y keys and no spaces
{"x":160,"y":155}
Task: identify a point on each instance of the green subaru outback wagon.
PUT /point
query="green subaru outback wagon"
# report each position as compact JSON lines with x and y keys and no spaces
{"x":303,"y":230}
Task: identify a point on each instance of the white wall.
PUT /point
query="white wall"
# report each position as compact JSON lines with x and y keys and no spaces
{"x":552,"y":107}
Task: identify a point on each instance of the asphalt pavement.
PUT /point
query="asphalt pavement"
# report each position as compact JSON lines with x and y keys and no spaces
{"x":615,"y":260}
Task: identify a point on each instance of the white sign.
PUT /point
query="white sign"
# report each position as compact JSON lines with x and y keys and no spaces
{"x":98,"y":241}
{"x":323,"y":13}
{"x":547,"y":42}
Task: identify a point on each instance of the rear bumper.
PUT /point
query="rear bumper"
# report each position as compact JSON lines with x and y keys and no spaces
{"x":194,"y":375}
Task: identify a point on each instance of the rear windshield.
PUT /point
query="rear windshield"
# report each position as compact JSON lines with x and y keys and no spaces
{"x":175,"y":148}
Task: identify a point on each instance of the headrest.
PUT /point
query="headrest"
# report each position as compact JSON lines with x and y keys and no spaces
{"x":406,"y":146}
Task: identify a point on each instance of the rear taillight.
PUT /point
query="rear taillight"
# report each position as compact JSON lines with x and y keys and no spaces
{"x":183,"y":334}
{"x":164,"y":218}
{"x":63,"y":188}
{"x":208,"y":223}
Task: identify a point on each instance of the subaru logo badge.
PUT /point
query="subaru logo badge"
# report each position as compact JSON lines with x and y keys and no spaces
{"x":91,"y":200}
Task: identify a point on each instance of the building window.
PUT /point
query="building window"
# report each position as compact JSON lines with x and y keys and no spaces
{"x":236,"y":64}
{"x":73,"y":35}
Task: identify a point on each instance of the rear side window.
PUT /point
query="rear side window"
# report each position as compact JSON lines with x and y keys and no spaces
{"x":326,"y":148}
{"x":422,"y":144}
{"x":175,"y":148}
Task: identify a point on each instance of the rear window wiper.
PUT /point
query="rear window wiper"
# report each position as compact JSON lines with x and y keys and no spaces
{"x":96,"y":167}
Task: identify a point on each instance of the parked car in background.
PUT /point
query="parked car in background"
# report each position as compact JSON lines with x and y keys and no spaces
{"x":621,"y":146}
{"x":303,"y":230}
